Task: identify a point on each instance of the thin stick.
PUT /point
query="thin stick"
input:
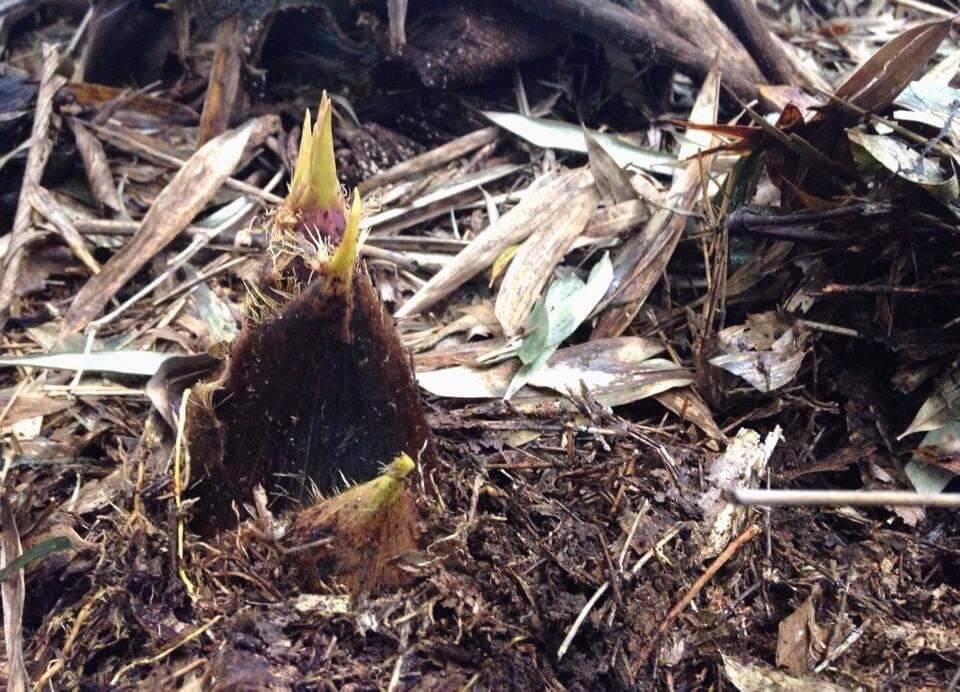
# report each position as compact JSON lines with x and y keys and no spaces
{"x":842,"y":498}
{"x":681,"y":605}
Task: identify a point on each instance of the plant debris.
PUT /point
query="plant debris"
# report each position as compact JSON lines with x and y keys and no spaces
{"x":560,"y":348}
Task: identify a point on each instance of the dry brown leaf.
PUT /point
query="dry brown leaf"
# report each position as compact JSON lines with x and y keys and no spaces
{"x":687,"y":404}
{"x":40,"y":148}
{"x":612,"y":182}
{"x":888,"y":72}
{"x":96,"y":166}
{"x":800,"y":641}
{"x":766,"y":351}
{"x":643,"y":258}
{"x":533,"y":264}
{"x":542,"y":205}
{"x":616,"y":219}
{"x":176,"y":206}
{"x":44,"y":203}
{"x":941,"y":408}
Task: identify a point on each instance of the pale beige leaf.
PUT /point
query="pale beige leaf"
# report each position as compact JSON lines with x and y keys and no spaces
{"x":544,"y":204}
{"x":181,"y":200}
{"x":754,"y":677}
{"x":614,"y":371}
{"x":533,"y":265}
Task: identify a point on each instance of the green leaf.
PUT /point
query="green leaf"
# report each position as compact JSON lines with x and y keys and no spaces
{"x":36,"y":552}
{"x":567,"y":304}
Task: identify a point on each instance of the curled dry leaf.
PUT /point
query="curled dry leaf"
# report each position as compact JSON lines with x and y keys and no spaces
{"x":742,"y":465}
{"x":642,"y":260}
{"x":544,"y":205}
{"x":96,"y":166}
{"x":538,"y":256}
{"x":766,"y":351}
{"x":941,"y":408}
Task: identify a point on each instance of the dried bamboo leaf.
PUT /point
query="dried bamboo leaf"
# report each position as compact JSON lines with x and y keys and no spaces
{"x":612,"y":181}
{"x":46,"y":206}
{"x":753,"y":677}
{"x":538,"y":256}
{"x":766,"y":351}
{"x":543,"y":205}
{"x":897,"y":157}
{"x":688,"y":405}
{"x":876,"y":83}
{"x":13,"y":592}
{"x":181,"y":200}
{"x":615,"y":372}
{"x":554,"y":134}
{"x":642,"y":260}
{"x":96,"y":166}
{"x":40,"y":148}
{"x":120,"y":362}
{"x":941,"y":408}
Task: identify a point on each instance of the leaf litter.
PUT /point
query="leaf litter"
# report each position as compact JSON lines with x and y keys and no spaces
{"x":628,"y":296}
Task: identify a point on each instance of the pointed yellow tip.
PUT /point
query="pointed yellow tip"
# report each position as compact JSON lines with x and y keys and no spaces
{"x":345,"y":258}
{"x":401,"y":466}
{"x":315,"y":184}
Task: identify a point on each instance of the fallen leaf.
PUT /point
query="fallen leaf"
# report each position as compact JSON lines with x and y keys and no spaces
{"x":538,"y":256}
{"x":542,"y":205}
{"x":937,"y":461}
{"x":874,"y":85}
{"x":568,"y":302}
{"x":554,"y":134}
{"x":897,"y":157}
{"x":754,"y":677}
{"x":181,"y":200}
{"x":615,"y":371}
{"x":742,"y":465}
{"x":766,"y":351}
{"x":941,"y":408}
{"x":800,"y":641}
{"x":120,"y":362}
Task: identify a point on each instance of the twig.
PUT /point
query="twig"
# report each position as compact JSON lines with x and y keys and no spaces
{"x":842,"y":498}
{"x":749,"y":534}
{"x":166,"y":652}
{"x":850,"y":640}
{"x":602,"y":589}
